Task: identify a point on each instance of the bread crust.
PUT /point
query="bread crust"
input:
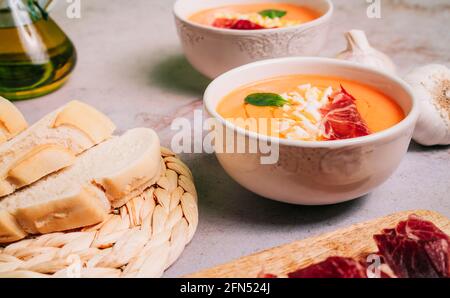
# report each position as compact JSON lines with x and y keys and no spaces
{"x":10,"y":230}
{"x":40,"y":162}
{"x":12,"y":121}
{"x":94,"y":124}
{"x":135,"y":177}
{"x":55,"y":153}
{"x":119,"y":202}
{"x":90,"y":203}
{"x":80,"y":209}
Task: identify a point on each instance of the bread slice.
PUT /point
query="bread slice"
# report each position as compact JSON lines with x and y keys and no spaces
{"x":10,"y":230}
{"x":51,"y":144}
{"x":111,"y":173}
{"x":11,"y":121}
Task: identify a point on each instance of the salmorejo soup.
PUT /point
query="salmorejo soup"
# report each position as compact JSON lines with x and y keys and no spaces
{"x":310,"y":108}
{"x":255,"y":16}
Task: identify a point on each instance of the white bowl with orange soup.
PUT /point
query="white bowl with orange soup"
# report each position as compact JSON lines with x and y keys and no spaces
{"x":341,"y":128}
{"x":218,"y":35}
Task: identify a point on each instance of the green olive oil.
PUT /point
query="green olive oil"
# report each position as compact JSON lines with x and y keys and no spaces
{"x":36,"y":58}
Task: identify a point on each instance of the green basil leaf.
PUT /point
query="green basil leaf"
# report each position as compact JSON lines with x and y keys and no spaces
{"x":273,"y":13}
{"x":266,"y":100}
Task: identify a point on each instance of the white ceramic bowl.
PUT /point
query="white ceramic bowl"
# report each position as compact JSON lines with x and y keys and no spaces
{"x":213,"y":51}
{"x":317,"y":172}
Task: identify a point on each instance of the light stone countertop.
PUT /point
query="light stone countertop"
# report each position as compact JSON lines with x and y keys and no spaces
{"x":132,"y":68}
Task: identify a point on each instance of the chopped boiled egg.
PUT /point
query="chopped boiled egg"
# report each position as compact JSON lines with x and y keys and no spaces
{"x":301,"y":117}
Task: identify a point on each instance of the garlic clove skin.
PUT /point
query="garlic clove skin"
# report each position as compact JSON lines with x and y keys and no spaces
{"x":360,"y":51}
{"x":431,"y":86}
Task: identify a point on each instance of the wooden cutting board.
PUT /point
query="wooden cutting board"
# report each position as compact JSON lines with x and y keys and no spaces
{"x":353,"y":241}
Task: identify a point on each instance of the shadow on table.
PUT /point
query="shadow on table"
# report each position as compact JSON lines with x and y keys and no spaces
{"x":223,"y":199}
{"x":416,"y":147}
{"x":176,"y":74}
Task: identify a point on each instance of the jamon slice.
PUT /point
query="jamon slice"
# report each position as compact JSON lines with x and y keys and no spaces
{"x":435,"y":242}
{"x":333,"y":267}
{"x":419,"y":229}
{"x":266,"y":275}
{"x":236,"y":24}
{"x":341,"y":119}
{"x":406,"y":257}
{"x":439,"y":253}
{"x":223,"y":23}
{"x":415,"y":248}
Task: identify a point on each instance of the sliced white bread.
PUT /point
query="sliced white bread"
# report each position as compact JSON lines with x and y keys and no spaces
{"x":111,"y":173}
{"x":51,"y":144}
{"x":12,"y":121}
{"x":10,"y":230}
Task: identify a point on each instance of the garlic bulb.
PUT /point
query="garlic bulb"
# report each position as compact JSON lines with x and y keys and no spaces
{"x":431,"y":86}
{"x":360,"y":51}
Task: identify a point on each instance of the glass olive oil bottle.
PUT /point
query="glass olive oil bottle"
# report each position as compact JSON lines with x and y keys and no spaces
{"x":36,"y":57}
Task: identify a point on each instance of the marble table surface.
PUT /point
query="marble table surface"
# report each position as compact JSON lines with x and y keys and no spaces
{"x":132,"y":68}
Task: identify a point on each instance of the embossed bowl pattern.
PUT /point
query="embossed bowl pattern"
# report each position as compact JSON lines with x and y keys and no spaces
{"x":213,"y":51}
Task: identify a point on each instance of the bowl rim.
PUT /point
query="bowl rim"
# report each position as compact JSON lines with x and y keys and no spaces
{"x":409,"y":119}
{"x":320,"y":20}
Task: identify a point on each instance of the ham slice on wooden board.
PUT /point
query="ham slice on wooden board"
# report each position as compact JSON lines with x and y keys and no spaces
{"x":333,"y":267}
{"x":353,"y":242}
{"x":415,"y":248}
{"x":341,"y":119}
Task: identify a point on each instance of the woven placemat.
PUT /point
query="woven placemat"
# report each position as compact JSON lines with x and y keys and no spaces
{"x":140,"y":239}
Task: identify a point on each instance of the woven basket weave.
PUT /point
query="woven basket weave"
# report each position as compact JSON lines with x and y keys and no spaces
{"x":140,"y":239}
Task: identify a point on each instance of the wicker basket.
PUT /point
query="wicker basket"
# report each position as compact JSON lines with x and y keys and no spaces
{"x":140,"y":239}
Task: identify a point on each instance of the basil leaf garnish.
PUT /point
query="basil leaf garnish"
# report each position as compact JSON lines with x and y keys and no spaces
{"x":266,"y":100}
{"x":273,"y":13}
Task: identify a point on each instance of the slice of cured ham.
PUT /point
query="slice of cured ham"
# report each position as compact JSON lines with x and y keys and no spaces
{"x":341,"y":119}
{"x":333,"y":267}
{"x":415,"y":248}
{"x":435,"y":242}
{"x":267,"y":275}
{"x":236,"y":24}
{"x":406,"y":257}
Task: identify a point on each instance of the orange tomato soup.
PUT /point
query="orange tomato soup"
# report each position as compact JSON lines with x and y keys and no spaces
{"x":294,"y":14}
{"x":307,"y":96}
